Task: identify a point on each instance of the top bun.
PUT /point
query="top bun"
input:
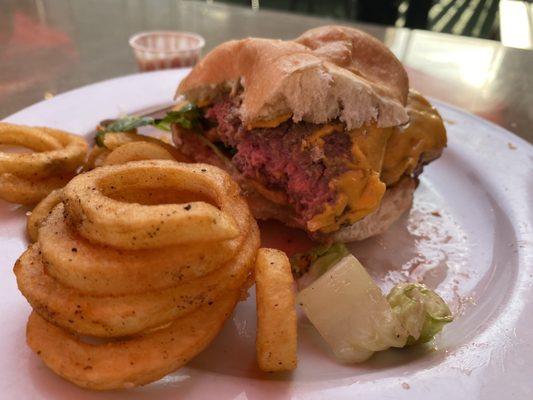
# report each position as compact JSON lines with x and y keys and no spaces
{"x":327,"y":73}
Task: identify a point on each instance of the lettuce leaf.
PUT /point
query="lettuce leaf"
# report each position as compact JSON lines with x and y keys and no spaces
{"x":353,"y":316}
{"x":318,"y":260}
{"x":189,"y":117}
{"x":421,"y":311}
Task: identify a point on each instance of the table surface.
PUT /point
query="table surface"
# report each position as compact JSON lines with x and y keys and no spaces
{"x":51,"y":46}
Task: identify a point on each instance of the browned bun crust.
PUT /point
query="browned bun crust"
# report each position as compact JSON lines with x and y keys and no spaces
{"x":327,"y":73}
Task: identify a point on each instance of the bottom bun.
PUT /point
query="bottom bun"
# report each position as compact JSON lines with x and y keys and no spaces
{"x":395,"y":202}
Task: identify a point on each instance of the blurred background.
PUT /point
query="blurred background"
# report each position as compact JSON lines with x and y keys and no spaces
{"x":475,"y":54}
{"x":506,"y":20}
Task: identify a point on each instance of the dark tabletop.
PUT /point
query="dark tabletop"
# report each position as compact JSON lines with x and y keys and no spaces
{"x":51,"y":46}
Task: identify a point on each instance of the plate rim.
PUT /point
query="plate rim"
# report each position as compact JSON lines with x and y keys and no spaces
{"x":519,"y":142}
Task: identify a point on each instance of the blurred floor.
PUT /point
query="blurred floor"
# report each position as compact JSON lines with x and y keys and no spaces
{"x":476,"y":18}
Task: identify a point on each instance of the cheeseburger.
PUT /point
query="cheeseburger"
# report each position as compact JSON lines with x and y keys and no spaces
{"x":321,"y":132}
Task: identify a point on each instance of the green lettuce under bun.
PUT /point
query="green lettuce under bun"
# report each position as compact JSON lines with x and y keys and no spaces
{"x":318,"y":260}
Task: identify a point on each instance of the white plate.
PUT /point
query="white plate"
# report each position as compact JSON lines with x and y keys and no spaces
{"x":468,"y":235}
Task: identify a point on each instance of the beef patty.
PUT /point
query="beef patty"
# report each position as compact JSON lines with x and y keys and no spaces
{"x":280,"y":158}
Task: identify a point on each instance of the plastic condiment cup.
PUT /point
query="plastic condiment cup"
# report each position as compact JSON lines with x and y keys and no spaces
{"x":155,"y":50}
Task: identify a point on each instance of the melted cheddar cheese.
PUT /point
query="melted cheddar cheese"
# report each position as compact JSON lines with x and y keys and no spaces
{"x":271,"y":123}
{"x":316,"y":138}
{"x":421,"y":139}
{"x":359,"y":189}
{"x":380,"y":157}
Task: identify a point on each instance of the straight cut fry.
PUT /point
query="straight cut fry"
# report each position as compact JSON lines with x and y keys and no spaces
{"x":276,"y":341}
